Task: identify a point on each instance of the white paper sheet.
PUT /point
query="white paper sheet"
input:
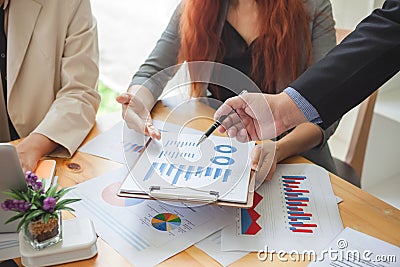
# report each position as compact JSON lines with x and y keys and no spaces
{"x":338,"y":199}
{"x":212,"y":246}
{"x":219,"y":164}
{"x":119,"y":142}
{"x":296,"y":210}
{"x":134,"y":227}
{"x":354,"y":249}
{"x":9,"y":246}
{"x":116,"y":143}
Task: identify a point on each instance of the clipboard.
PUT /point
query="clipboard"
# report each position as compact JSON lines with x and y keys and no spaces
{"x":210,"y":197}
{"x":227,"y":184}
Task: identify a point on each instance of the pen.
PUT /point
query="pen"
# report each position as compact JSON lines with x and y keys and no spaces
{"x":216,"y":124}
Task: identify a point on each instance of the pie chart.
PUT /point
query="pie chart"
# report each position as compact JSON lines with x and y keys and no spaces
{"x":166,"y":221}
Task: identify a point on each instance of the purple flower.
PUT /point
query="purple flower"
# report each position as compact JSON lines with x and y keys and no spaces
{"x":49,"y":204}
{"x":16,"y":205}
{"x":32,"y":181}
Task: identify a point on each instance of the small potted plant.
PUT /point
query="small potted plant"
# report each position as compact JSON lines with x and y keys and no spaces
{"x":39,"y":211}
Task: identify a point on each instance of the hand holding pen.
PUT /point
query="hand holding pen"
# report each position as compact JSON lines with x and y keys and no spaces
{"x":217,"y":123}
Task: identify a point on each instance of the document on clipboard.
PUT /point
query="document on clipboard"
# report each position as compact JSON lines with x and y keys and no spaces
{"x":175,"y":168}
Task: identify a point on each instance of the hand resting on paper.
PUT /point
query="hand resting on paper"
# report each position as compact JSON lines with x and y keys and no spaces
{"x":263,"y":161}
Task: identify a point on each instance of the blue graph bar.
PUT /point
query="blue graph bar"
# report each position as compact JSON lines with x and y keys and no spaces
{"x":129,"y":147}
{"x":293,"y":194}
{"x":189,"y":172}
{"x":199,"y":171}
{"x":161,"y":153}
{"x":177,"y":174}
{"x":167,"y":143}
{"x":217,"y":173}
{"x":296,"y":198}
{"x":293,"y":177}
{"x":150,"y":171}
{"x":226,"y":175}
{"x":289,"y":181}
{"x":192,"y":155}
{"x":171,"y":168}
{"x":296,"y":212}
{"x":162,"y":167}
{"x":299,"y":218}
{"x":295,"y":223}
{"x":208,"y":171}
{"x":138,"y":148}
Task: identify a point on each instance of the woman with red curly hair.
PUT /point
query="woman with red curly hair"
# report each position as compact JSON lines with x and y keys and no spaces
{"x":270,"y":41}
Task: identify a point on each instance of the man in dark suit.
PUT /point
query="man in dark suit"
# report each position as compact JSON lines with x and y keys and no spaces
{"x":348,"y":74}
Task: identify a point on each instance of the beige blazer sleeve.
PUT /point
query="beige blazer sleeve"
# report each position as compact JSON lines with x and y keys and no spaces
{"x":52,"y":90}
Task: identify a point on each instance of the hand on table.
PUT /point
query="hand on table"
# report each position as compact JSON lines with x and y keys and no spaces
{"x":136,"y":115}
{"x":32,"y":149}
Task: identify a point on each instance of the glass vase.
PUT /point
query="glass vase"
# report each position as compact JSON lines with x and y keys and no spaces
{"x":40,"y":234}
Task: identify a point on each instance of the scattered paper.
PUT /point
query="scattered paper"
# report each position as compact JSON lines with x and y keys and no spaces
{"x":296,"y":210}
{"x":354,"y":249}
{"x":144,"y":231}
{"x":116,"y":144}
{"x":212,"y":246}
{"x":338,"y":199}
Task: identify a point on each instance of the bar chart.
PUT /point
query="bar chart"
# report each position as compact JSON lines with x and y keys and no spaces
{"x":130,"y":147}
{"x":186,"y":172}
{"x":297,"y":204}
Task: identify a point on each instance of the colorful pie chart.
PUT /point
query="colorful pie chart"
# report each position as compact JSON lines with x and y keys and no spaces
{"x":166,"y":221}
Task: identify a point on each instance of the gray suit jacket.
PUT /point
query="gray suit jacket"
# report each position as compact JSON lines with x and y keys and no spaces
{"x":164,"y":55}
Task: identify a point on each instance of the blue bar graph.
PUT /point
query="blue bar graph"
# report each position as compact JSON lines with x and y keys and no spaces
{"x":294,"y":177}
{"x":297,"y":198}
{"x":177,"y":174}
{"x":171,"y":168}
{"x":217,"y":173}
{"x":189,"y":172}
{"x":162,"y":167}
{"x":179,"y":143}
{"x":199,"y":170}
{"x":299,"y":218}
{"x":150,"y":171}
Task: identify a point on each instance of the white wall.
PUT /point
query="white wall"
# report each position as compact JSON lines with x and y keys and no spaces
{"x":348,"y":13}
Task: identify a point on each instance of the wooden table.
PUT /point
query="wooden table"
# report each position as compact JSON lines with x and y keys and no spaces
{"x":359,"y":210}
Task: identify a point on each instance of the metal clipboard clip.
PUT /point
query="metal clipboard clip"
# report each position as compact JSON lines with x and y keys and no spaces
{"x":183,"y":194}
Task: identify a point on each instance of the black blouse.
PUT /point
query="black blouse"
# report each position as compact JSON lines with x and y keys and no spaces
{"x":237,"y":54}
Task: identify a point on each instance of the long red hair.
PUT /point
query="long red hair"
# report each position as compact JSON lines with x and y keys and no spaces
{"x":280,"y":54}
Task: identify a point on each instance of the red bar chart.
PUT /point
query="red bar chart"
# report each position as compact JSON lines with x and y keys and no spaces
{"x":297,"y":198}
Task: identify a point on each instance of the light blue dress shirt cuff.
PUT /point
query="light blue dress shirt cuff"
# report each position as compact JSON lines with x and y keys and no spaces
{"x":308,"y":110}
